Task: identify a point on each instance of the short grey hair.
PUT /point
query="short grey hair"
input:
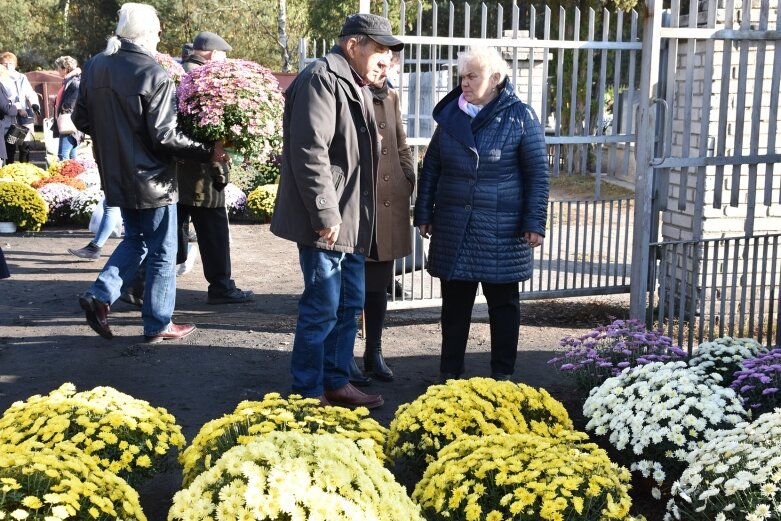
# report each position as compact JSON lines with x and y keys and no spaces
{"x":360,"y":39}
{"x":68,"y":63}
{"x":486,"y":58}
{"x":136,"y":22}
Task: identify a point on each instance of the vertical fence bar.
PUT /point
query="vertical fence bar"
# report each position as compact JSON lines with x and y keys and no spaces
{"x":703,"y":286}
{"x":589,"y":79}
{"x":593,"y":245}
{"x":724,"y":89}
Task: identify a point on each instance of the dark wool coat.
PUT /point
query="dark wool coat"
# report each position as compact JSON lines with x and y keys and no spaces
{"x":395,"y":179}
{"x":484,"y":183}
{"x":329,"y":147}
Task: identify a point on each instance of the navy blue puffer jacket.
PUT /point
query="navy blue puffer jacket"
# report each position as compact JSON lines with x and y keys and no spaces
{"x":484,"y":183}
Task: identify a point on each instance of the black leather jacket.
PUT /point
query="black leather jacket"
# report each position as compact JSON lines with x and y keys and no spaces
{"x":127,"y":104}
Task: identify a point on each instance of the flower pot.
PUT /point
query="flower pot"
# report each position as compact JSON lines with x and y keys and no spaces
{"x":7,"y":227}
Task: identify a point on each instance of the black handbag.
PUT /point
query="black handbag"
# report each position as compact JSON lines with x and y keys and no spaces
{"x":16,"y":134}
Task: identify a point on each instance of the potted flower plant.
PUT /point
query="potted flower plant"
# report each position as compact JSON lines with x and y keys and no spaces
{"x":294,"y":475}
{"x":735,"y":475}
{"x":236,"y":102}
{"x":725,"y":356}
{"x":607,"y":350}
{"x":759,"y":381}
{"x":260,"y":201}
{"x":58,"y":197}
{"x":122,"y":434}
{"x":477,"y":406}
{"x":43,"y":483}
{"x":659,"y":413}
{"x":274,"y":413}
{"x":21,"y":205}
{"x":524,"y":477}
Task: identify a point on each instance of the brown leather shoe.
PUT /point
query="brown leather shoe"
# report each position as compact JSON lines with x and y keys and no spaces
{"x":323,"y":401}
{"x":97,"y":315}
{"x":349,"y":396}
{"x":175,"y":332}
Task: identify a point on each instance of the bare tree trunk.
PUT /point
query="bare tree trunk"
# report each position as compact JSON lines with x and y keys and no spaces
{"x":282,"y":26}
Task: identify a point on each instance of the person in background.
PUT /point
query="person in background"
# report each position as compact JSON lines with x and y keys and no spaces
{"x":25,"y":101}
{"x":482,"y":198}
{"x":7,"y":110}
{"x":127,"y":104}
{"x":187,"y":50}
{"x":395,"y":183}
{"x":201,"y":197}
{"x":109,"y":221}
{"x":325,"y":202}
{"x":68,"y":69}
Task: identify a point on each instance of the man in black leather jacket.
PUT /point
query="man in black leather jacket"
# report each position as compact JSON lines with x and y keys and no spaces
{"x":127,"y":104}
{"x":201,"y":198}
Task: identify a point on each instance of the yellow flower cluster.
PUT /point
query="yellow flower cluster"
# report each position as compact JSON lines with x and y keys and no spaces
{"x":523,"y":477}
{"x":295,"y":476}
{"x":122,"y":434}
{"x":260,"y":201}
{"x":55,"y":168}
{"x":22,"y":173}
{"x":22,"y":204}
{"x":274,"y":413}
{"x":42,"y":484}
{"x":477,"y":406}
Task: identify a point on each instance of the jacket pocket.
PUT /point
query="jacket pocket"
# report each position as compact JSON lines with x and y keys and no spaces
{"x":337,"y":176}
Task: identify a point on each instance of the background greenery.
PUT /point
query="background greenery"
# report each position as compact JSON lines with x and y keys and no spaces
{"x":38,"y":31}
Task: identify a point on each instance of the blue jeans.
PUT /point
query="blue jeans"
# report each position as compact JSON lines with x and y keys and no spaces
{"x":149,"y":234}
{"x":67,"y":148}
{"x":111,"y":217}
{"x":325,"y":332}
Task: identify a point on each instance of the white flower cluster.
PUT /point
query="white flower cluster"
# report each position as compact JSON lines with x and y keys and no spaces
{"x":661,"y":411}
{"x":85,"y":203}
{"x":90,"y":177}
{"x":736,"y":475}
{"x":724,"y":355}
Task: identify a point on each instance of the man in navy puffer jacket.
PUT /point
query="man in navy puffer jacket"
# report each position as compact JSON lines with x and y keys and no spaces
{"x":483,"y":199}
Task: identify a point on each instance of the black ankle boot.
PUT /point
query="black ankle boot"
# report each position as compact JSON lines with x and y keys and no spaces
{"x":356,"y":375}
{"x":374,"y":364}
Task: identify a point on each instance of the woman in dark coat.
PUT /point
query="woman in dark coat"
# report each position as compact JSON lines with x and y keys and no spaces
{"x":482,"y":198}
{"x":68,"y":69}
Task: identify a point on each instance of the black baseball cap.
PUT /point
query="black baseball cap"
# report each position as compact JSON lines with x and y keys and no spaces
{"x":206,"y":41}
{"x":377,"y":28}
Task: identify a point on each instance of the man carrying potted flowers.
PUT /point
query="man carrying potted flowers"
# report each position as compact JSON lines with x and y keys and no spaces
{"x":126,"y":103}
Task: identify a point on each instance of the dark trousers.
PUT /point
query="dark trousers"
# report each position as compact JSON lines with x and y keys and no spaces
{"x":24,"y":152}
{"x":211,"y":226}
{"x":504,"y":313}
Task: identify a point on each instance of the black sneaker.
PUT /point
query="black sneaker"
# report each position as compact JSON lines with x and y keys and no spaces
{"x":89,"y":252}
{"x":235,"y":296}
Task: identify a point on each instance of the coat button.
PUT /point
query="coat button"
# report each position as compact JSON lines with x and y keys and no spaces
{"x":363,"y":130}
{"x":468,"y":207}
{"x":361,"y":250}
{"x":386,"y":177}
{"x":383,"y":125}
{"x":387,"y":204}
{"x":385,"y":151}
{"x":365,"y":193}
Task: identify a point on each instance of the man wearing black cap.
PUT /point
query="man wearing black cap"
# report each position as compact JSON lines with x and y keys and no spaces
{"x":326,"y":204}
{"x":201,"y":198}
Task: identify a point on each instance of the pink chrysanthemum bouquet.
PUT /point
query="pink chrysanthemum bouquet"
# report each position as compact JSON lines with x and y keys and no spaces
{"x":171,"y":66}
{"x":234,"y":101}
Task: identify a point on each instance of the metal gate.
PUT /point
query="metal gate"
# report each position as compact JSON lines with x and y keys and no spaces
{"x":552,"y":54}
{"x":708,"y":263}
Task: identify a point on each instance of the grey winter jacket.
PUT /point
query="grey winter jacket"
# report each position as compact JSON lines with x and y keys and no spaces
{"x":329,"y":156}
{"x":484,"y":183}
